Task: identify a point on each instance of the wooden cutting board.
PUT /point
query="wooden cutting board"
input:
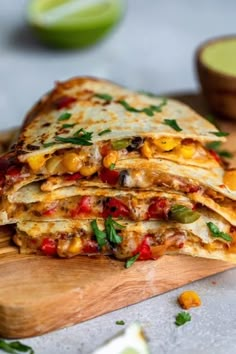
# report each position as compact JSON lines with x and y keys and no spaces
{"x":40,"y":294}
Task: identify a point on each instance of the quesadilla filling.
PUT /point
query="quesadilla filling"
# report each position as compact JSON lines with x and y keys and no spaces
{"x":87,"y":161}
{"x":122,"y":239}
{"x":128,"y":207}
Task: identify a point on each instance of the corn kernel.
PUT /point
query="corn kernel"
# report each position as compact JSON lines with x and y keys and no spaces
{"x":76,"y":246}
{"x":187,"y":151}
{"x":88,"y":170}
{"x":189,"y":299}
{"x":54,"y":165}
{"x":110,"y":159}
{"x":36,"y":162}
{"x":72,"y":162}
{"x":230,"y":179}
{"x":166,"y":144}
{"x":146,"y":150}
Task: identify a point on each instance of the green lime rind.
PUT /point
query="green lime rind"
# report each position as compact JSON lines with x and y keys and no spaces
{"x":65,"y":24}
{"x":72,"y":39}
{"x":61,"y":15}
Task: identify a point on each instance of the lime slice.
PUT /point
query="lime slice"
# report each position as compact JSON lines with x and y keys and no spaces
{"x":73,"y":23}
{"x":130,"y":341}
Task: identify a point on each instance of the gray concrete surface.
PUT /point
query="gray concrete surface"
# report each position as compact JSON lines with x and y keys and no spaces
{"x":151,"y":49}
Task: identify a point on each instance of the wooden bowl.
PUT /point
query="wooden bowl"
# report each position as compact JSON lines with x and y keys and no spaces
{"x":219,"y":88}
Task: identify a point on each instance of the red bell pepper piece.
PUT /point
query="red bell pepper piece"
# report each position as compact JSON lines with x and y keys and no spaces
{"x":84,"y":207}
{"x":73,"y":177}
{"x":215,"y":155}
{"x":90,"y":247}
{"x":144,"y":250}
{"x":49,"y":247}
{"x":109,"y":176}
{"x":159,"y":208}
{"x":49,"y":211}
{"x":114,"y":207}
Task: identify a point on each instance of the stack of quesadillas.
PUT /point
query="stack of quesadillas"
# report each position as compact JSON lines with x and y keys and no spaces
{"x":99,"y":169}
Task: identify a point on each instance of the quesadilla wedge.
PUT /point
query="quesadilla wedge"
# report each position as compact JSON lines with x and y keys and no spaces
{"x":85,"y":125}
{"x":210,"y":234}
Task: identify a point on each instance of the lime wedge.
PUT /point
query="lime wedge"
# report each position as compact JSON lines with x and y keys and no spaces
{"x":73,"y":23}
{"x":130,"y":341}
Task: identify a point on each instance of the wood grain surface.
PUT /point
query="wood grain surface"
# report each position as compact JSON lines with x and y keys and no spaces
{"x":40,"y":294}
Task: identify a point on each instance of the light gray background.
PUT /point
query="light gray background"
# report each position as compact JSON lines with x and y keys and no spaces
{"x":151,"y":49}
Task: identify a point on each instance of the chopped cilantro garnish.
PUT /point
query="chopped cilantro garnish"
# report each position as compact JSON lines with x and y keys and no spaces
{"x":173,"y":124}
{"x":15,"y":347}
{"x":104,"y":96}
{"x":211,"y":119}
{"x":120,"y":323}
{"x":100,"y":235}
{"x":215,"y":145}
{"x":131,"y":260}
{"x":109,"y":234}
{"x":49,"y":144}
{"x":215,"y":232}
{"x":182,"y":318}
{"x":64,"y":116}
{"x":220,"y":133}
{"x":110,"y":228}
{"x":112,"y":166}
{"x":81,"y":137}
{"x":104,"y":132}
{"x":147,"y":93}
{"x":148,"y":110}
{"x":225,"y":153}
{"x":68,"y":125}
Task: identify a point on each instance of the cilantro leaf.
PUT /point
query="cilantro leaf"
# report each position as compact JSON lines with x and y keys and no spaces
{"x":120,"y":323}
{"x":225,"y":153}
{"x":110,"y":227}
{"x":131,"y":260}
{"x":100,"y":235}
{"x":211,"y":119}
{"x":112,"y":166}
{"x":15,"y":347}
{"x":104,"y":96}
{"x":220,"y":133}
{"x":173,"y":124}
{"x":128,"y":107}
{"x":81,"y":137}
{"x":49,"y":144}
{"x":182,"y":318}
{"x":68,"y":125}
{"x":64,"y":116}
{"x":215,"y":232}
{"x":159,"y":107}
{"x":104,"y":132}
{"x":147,"y":93}
{"x":215,"y":145}
{"x":148,"y":110}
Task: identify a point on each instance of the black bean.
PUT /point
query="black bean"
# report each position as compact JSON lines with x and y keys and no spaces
{"x":135,"y":144}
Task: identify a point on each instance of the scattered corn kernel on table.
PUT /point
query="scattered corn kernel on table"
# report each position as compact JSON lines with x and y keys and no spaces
{"x":156,"y":56}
